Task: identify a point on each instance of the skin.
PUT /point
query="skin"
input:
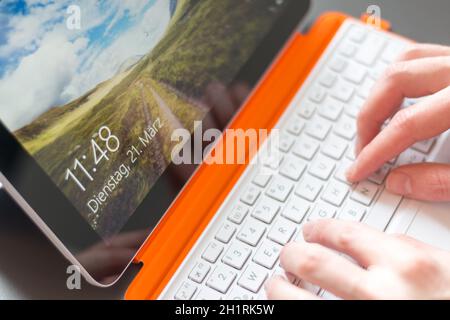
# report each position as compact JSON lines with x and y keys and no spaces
{"x":396,"y":267}
{"x":384,"y":266}
{"x":423,"y":70}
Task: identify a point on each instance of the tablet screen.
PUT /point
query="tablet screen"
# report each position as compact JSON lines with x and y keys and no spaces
{"x":94,"y":90}
{"x":94,"y":95}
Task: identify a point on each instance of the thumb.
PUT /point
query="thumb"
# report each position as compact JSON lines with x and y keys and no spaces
{"x":425,"y":181}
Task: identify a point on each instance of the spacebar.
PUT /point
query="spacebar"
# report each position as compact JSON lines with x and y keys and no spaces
{"x":383,"y":210}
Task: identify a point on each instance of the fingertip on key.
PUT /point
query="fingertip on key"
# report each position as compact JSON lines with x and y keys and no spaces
{"x":351,"y":174}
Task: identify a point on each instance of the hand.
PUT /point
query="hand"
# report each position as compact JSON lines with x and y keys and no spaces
{"x":390,"y":266}
{"x":423,"y":70}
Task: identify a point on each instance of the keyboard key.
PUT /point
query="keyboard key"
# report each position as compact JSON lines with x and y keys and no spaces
{"x":273,"y":160}
{"x":410,"y":157}
{"x":237,"y":255}
{"x":240,"y":294}
{"x":346,"y":128}
{"x":318,"y":128}
{"x":317,"y":94}
{"x":309,"y":188}
{"x":357,"y":34}
{"x":366,"y":88}
{"x":306,"y":110}
{"x":253,"y":278}
{"x":335,"y":147}
{"x":306,"y":148}
{"x":208,"y":294}
{"x":328,"y":79}
{"x":262,"y":296}
{"x":250,"y":195}
{"x":365,"y":193}
{"x":296,"y":126}
{"x":282,"y":231}
{"x":268,"y":254}
{"x":341,"y":172}
{"x":238,"y":213}
{"x":308,"y":286}
{"x":352,"y":212}
{"x":322,"y":211}
{"x":352,"y":111}
{"x":354,"y":107}
{"x":285,"y":275}
{"x":355,"y":73}
{"x":266,"y":210}
{"x":200,"y":271}
{"x":299,"y":237}
{"x":424,"y":146}
{"x":280,"y":189}
{"x":347,"y":49}
{"x":343,"y":92}
{"x":293,"y":169}
{"x":286,"y":142}
{"x":252,"y":232}
{"x":212,"y":252}
{"x":338,"y":64}
{"x":331,"y":109}
{"x":186,"y":291}
{"x":322,"y":167}
{"x":378,"y":70}
{"x":335,"y":193}
{"x":221,"y":279}
{"x":392,"y":51}
{"x":351,"y":153}
{"x":226,"y":232}
{"x":296,"y":209}
{"x":380,"y":175}
{"x":368,"y":53}
{"x":383,"y":210}
{"x":262,"y":179}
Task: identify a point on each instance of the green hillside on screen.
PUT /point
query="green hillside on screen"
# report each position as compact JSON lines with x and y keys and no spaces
{"x":206,"y":41}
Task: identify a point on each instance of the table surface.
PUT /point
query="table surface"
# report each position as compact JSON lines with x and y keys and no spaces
{"x":31,"y":268}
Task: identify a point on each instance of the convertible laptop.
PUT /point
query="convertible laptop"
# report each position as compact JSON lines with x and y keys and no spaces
{"x":107,"y":110}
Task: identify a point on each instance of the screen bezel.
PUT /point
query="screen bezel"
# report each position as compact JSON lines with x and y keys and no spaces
{"x":56,"y":211}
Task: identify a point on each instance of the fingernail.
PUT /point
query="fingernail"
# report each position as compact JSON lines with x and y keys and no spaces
{"x":307,"y":230}
{"x":399,"y":183}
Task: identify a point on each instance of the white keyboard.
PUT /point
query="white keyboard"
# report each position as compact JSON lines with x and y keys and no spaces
{"x":240,"y":248}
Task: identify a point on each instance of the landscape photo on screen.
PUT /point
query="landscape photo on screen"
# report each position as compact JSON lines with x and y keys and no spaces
{"x":96,"y":103}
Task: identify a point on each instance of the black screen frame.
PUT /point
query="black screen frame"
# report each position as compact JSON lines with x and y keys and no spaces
{"x":56,"y":211}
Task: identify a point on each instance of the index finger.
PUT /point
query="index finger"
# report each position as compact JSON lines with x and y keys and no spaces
{"x":412,"y":79}
{"x":365,"y":245}
{"x":423,"y":121}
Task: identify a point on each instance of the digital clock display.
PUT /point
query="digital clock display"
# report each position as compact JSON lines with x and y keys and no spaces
{"x":93,"y":90}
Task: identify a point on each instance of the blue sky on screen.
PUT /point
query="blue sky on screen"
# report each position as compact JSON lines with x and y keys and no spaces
{"x":44,"y":64}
